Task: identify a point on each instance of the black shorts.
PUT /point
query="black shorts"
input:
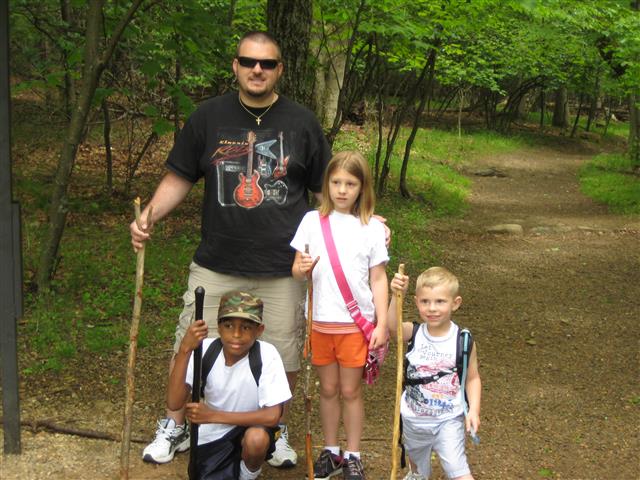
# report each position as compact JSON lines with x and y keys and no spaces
{"x":220,"y":459}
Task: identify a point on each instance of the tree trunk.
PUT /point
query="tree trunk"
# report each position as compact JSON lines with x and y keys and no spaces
{"x":561,"y":109}
{"x":575,"y":123}
{"x":176,"y":103}
{"x":107,"y":146}
{"x":289,"y":21}
{"x":461,"y":96}
{"x":595,"y":101}
{"x":93,"y":68}
{"x":634,"y":116}
{"x":69,"y":92}
{"x":416,"y":123}
{"x":346,"y":80}
{"x":634,"y":129}
{"x":394,"y":130}
{"x":542,"y":107}
{"x":329,"y":77}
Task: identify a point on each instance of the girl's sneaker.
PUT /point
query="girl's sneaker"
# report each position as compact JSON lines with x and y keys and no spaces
{"x":327,"y":465}
{"x":353,"y":469}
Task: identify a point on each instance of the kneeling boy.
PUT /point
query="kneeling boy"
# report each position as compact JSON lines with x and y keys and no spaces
{"x":239,"y":416}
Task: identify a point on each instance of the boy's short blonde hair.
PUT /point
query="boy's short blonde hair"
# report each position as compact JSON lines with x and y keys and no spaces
{"x":436,"y":276}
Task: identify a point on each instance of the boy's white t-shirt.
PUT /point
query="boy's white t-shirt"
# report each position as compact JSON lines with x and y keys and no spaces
{"x":438,"y":401}
{"x":360,"y":247}
{"x":233,"y":389}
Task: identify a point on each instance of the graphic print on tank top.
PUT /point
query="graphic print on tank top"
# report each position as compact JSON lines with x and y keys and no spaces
{"x":251,"y":168}
{"x":436,"y":398}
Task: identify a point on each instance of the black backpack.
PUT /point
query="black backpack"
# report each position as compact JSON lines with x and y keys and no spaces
{"x":211,"y":355}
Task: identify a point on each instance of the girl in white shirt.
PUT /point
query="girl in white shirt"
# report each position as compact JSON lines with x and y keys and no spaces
{"x":339,"y":349}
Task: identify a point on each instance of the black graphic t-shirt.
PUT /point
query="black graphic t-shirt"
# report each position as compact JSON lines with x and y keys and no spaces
{"x":256,"y":181}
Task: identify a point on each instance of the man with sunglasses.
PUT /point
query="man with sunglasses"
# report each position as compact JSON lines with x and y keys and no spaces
{"x":261,"y":155}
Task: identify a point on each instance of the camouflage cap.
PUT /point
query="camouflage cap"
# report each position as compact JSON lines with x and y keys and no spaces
{"x":237,"y":304}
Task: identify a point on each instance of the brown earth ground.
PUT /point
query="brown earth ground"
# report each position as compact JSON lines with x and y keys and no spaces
{"x":554,"y":312}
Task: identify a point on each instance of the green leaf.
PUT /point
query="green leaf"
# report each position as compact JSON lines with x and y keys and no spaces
{"x":162,"y":126}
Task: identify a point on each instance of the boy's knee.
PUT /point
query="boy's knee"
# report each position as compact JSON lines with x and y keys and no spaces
{"x":255,"y":443}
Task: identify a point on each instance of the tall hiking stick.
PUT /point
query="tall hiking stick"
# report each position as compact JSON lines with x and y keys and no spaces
{"x":399,"y":375}
{"x":308,"y":446}
{"x":195,"y":388}
{"x":133,"y":346}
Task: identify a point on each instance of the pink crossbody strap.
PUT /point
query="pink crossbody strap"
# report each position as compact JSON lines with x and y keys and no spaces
{"x":352,"y":306}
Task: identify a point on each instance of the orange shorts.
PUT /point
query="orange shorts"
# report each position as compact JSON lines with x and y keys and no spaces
{"x":348,"y":350}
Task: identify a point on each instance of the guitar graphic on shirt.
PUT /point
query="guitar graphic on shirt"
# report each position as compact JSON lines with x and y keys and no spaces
{"x":248,"y":193}
{"x":281,"y":168}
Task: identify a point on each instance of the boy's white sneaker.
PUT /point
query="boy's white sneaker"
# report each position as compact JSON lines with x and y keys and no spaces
{"x":284,"y":456}
{"x":170,"y":438}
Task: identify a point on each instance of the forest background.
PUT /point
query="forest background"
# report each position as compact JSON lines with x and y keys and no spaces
{"x":101,"y":88}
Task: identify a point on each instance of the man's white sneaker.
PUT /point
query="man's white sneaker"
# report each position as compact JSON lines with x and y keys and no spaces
{"x":170,"y":438}
{"x":413,"y":476}
{"x":284,"y":456}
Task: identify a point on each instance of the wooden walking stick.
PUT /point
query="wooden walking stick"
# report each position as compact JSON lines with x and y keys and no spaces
{"x":308,"y":446}
{"x":399,"y":375}
{"x":195,"y":388}
{"x":133,"y":346}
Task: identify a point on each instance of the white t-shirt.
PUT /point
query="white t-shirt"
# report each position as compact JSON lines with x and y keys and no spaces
{"x":233,"y":389}
{"x":438,"y":401}
{"x":360,"y":247}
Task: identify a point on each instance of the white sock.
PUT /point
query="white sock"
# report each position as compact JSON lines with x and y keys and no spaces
{"x":246,"y":474}
{"x":348,"y":454}
{"x":333,"y":449}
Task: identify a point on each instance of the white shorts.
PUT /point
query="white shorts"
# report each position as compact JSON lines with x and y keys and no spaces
{"x":446,"y":439}
{"x":283,"y":314}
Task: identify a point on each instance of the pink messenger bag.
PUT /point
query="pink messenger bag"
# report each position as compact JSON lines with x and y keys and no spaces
{"x":377,"y":355}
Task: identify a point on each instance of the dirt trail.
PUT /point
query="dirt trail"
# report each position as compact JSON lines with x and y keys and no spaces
{"x":554,"y":311}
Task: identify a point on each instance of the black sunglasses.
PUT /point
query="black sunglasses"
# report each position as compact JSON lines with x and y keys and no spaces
{"x":265,"y":63}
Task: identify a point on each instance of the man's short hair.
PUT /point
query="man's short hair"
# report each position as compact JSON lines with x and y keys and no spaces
{"x":260,"y":37}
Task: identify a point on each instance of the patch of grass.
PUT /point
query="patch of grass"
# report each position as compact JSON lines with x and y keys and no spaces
{"x":609,"y":179}
{"x":90,"y":306}
{"x":546,"y":473}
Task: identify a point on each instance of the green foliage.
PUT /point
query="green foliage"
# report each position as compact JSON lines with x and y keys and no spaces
{"x":610,"y":179}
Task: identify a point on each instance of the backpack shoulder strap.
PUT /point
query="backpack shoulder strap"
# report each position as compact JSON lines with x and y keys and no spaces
{"x":255,"y":361}
{"x":463,"y":352}
{"x":208,"y":359}
{"x":412,"y":340}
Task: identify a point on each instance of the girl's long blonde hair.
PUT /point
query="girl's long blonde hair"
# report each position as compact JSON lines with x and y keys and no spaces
{"x":355,"y":164}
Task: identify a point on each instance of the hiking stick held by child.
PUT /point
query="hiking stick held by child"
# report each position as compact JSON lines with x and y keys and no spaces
{"x":195,"y":389}
{"x":133,"y":346}
{"x":399,"y":375}
{"x":307,"y":356}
